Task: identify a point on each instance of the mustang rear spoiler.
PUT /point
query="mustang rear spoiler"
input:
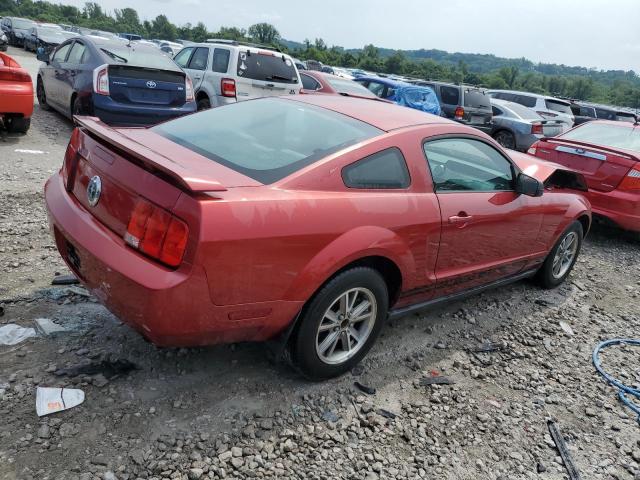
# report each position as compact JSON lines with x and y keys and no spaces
{"x":151,"y":160}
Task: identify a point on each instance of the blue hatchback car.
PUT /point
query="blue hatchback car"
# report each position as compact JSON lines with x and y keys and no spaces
{"x":402,"y":93}
{"x":120,"y":82}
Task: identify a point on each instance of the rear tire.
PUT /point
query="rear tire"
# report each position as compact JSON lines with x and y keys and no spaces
{"x":562,"y":257}
{"x":18,"y":124}
{"x":76,"y":107}
{"x":340,"y":323}
{"x":204,"y":103}
{"x":41,"y":95}
{"x":506,"y":139}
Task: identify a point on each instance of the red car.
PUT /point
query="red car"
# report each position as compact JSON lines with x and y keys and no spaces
{"x":607,"y":153}
{"x":16,"y":95}
{"x":318,"y":82}
{"x":306,"y":219}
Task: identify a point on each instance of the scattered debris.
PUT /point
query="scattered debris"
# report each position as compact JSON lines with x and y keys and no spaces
{"x":566,"y":328}
{"x":47,"y":327}
{"x":329,"y":416}
{"x":108,"y":368}
{"x":52,"y":400}
{"x":365,"y":388}
{"x":33,"y":152}
{"x":387,"y":413}
{"x":357,"y":370}
{"x":65,"y":280}
{"x":488,"y":347}
{"x":13,"y":334}
{"x":563,"y":450}
{"x":425,"y":381}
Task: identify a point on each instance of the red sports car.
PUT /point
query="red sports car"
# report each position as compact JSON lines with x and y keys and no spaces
{"x":307,"y":219}
{"x":318,"y":82}
{"x":607,"y":153}
{"x":16,"y":95}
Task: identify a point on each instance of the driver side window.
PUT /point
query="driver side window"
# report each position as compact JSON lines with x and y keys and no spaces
{"x":61,"y":54}
{"x":464,"y":164}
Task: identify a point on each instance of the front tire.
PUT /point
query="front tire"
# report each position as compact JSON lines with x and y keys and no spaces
{"x":18,"y":124}
{"x":562,"y":257}
{"x":340,"y":323}
{"x":41,"y":95}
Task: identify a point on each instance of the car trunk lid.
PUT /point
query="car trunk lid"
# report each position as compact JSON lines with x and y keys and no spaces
{"x":146,"y":86}
{"x":129,"y":166}
{"x":604,"y":168}
{"x":477,"y":106}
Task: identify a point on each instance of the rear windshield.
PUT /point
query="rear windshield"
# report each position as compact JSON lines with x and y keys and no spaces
{"x":22,"y":24}
{"x":557,"y":106}
{"x":523,"y":112}
{"x":607,"y":135}
{"x":138,"y":56}
{"x":476,"y":98}
{"x":268,"y":67}
{"x":342,"y":85}
{"x":266,"y":139}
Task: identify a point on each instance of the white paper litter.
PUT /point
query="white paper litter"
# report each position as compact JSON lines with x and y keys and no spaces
{"x":47,"y":327}
{"x":566,"y":327}
{"x":13,"y":334}
{"x":52,"y":400}
{"x":34,"y":152}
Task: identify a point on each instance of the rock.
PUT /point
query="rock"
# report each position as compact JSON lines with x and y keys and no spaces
{"x":236,"y":451}
{"x":540,"y":468}
{"x":483,"y":417}
{"x":223,"y":457}
{"x":69,"y":429}
{"x":591,"y":412}
{"x":109,"y":476}
{"x":195,"y":473}
{"x":266,"y":424}
{"x":44,"y":431}
{"x":237,"y":462}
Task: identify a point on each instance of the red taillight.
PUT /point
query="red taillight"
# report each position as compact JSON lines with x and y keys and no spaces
{"x":536,"y":129}
{"x":459,"y":113}
{"x":70,"y":162}
{"x":188,"y":85}
{"x":155,"y":232}
{"x":632,"y":180}
{"x":14,"y":76}
{"x":101,"y":80}
{"x":228,"y":87}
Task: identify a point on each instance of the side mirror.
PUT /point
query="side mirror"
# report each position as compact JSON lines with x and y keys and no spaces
{"x":42,"y":55}
{"x":530,"y":186}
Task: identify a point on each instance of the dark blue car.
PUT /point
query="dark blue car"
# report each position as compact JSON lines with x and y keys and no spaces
{"x":122,"y":83}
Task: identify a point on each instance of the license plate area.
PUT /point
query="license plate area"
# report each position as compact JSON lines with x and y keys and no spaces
{"x":73,"y":257}
{"x":478,"y":119}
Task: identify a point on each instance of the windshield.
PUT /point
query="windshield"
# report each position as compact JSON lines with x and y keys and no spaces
{"x":268,"y":66}
{"x":607,"y":135}
{"x":266,"y":139}
{"x":349,"y":87}
{"x":558,"y":106}
{"x":49,"y":31}
{"x":22,"y":24}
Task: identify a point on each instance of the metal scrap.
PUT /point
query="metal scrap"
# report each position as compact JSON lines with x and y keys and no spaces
{"x":561,"y":445}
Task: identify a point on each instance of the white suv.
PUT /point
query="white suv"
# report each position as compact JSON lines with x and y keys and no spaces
{"x":549,"y":108}
{"x":225,"y":71}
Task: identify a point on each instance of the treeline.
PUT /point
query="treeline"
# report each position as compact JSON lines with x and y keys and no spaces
{"x":614,"y":87}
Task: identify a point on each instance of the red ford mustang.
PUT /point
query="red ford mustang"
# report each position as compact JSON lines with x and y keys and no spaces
{"x":305,"y":219}
{"x":607,"y":153}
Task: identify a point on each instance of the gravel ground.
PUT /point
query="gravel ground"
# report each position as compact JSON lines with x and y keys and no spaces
{"x":518,"y":356}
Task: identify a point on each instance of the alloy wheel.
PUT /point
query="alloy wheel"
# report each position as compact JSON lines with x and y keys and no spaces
{"x":346,"y":325}
{"x":565,"y":255}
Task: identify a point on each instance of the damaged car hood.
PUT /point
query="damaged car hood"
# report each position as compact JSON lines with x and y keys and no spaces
{"x":549,"y":173}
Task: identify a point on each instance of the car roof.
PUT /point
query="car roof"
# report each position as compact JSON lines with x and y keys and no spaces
{"x":386,"y":81}
{"x":383,"y":115}
{"x":529,"y":94}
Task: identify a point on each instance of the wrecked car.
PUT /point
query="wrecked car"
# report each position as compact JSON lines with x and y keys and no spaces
{"x":307,"y":219}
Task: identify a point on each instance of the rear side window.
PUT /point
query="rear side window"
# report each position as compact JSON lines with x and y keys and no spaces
{"x":450,"y":95}
{"x":308,"y":82}
{"x":268,"y":67}
{"x":182,"y":58}
{"x":266,"y":139}
{"x":77,"y":52}
{"x":382,"y":170}
{"x":525,"y":100}
{"x":464,"y":164}
{"x":604,"y":114}
{"x":199,"y":59}
{"x":376,"y":88}
{"x":557,"y":106}
{"x":220,"y":60}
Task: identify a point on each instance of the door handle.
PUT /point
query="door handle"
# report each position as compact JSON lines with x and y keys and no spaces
{"x":197,"y":77}
{"x":462,"y":217}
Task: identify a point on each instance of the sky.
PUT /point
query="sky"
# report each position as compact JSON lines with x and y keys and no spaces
{"x":604,"y":34}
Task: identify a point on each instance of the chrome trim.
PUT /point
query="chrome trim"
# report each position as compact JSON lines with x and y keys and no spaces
{"x":582,"y":152}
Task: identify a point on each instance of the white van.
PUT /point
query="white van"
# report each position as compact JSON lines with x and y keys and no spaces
{"x":226,"y":71}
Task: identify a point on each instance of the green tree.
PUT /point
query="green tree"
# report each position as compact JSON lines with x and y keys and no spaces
{"x":162,"y":28}
{"x":264,"y":33}
{"x":509,"y":75}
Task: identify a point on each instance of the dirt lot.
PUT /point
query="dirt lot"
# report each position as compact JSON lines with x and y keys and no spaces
{"x":227,"y":412}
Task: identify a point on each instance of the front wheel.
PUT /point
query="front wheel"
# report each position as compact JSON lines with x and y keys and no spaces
{"x":204,"y":104}
{"x":506,"y":139}
{"x":562,"y":258}
{"x":41,"y":95}
{"x":18,"y":124}
{"x":341,"y":323}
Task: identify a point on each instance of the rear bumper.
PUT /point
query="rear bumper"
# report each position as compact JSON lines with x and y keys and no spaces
{"x":17,"y":99}
{"x":115,"y":113}
{"x":169,"y":308}
{"x":623,"y":208}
